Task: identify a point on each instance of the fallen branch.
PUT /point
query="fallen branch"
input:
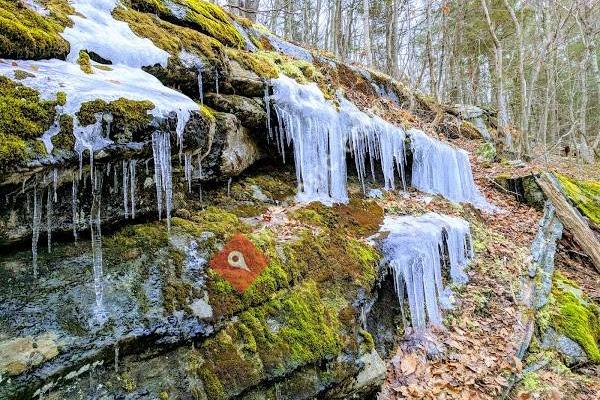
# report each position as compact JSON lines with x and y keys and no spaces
{"x":571,"y":219}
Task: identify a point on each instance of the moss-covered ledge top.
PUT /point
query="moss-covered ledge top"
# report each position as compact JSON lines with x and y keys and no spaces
{"x":585,"y":195}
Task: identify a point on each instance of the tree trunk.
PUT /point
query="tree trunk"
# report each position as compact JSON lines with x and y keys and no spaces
{"x":500,"y":101}
{"x":367,"y":34}
{"x":571,"y":218}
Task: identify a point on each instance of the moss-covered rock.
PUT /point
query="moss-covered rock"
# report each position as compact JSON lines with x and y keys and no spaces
{"x":26,"y":34}
{"x":200,"y":15}
{"x":291,"y":330}
{"x":585,"y":195}
{"x":575,"y":315}
{"x":24,"y":117}
{"x":84,"y":62}
{"x":130,"y":117}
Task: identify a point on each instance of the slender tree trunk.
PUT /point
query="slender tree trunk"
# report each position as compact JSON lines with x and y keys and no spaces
{"x":367,"y":34}
{"x":502,"y":115}
{"x":522,"y":81}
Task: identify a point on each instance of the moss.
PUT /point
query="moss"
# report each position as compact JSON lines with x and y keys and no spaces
{"x":262,"y":66}
{"x":585,"y":195}
{"x":576,"y":316}
{"x":208,"y":113}
{"x":147,"y":238}
{"x":61,"y":98}
{"x":487,"y":152}
{"x":128,"y":115}
{"x":201,"y":15}
{"x":20,"y":74}
{"x":127,"y":382}
{"x":213,"y":21}
{"x":359,"y":217}
{"x":212,"y":219}
{"x":84,"y":62}
{"x":64,"y":140}
{"x":24,"y":117}
{"x":24,"y":34}
{"x":291,"y":330}
{"x":170,"y":37}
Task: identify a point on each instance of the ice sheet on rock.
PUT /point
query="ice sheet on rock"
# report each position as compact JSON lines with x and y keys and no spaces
{"x":439,"y":168}
{"x":287,"y":48}
{"x":37,"y":7}
{"x":117,"y":43}
{"x":53,"y":76}
{"x":249,"y":46}
{"x":190,"y":60}
{"x":415,"y":249}
{"x":177,"y":10}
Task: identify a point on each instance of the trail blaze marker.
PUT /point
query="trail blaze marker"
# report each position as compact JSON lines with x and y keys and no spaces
{"x":239,"y":263}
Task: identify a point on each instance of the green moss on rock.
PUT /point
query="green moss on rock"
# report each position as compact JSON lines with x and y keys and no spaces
{"x":291,"y":330}
{"x":24,"y":34}
{"x":576,"y":316}
{"x":84,"y":62}
{"x":585,"y":195}
{"x":24,"y":117}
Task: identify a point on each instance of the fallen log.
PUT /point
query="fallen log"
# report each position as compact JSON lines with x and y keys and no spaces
{"x":570,"y":217}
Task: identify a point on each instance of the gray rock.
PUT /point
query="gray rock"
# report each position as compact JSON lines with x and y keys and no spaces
{"x":568,"y":348}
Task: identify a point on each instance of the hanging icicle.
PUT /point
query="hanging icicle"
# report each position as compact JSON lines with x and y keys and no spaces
{"x":414,"y":249}
{"x":74,"y":205}
{"x":126,"y":188}
{"x":161,"y":148}
{"x":267,"y":101}
{"x":187,"y":170}
{"x":132,"y":186}
{"x":35,"y":228}
{"x":97,"y":262}
{"x":49,"y":219}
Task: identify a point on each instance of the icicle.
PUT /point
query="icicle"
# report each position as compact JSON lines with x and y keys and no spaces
{"x":49,"y":219}
{"x":74,"y":206}
{"x":187,"y":170}
{"x":414,"y":249}
{"x":132,"y":166}
{"x":54,"y":183}
{"x":126,"y":188}
{"x":441,"y":169}
{"x":229,"y":187}
{"x":267,"y":101}
{"x":200,"y":176}
{"x":161,"y":147}
{"x":35,"y":228}
{"x":96,"y":233}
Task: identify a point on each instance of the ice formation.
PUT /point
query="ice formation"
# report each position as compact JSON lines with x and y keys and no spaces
{"x":118,"y":43}
{"x":74,"y":203}
{"x":441,"y":169}
{"x":49,"y":201}
{"x":161,"y":148}
{"x":96,"y":233}
{"x":311,"y":125}
{"x":320,"y":136}
{"x":187,"y":170}
{"x":416,"y":249}
{"x":35,"y":228}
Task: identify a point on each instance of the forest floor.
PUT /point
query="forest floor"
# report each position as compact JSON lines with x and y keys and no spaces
{"x":482,"y":334}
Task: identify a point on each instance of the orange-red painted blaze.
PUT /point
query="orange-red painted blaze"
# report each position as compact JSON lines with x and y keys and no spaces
{"x":239,"y":262}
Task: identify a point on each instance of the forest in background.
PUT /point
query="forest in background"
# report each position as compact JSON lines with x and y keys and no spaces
{"x":534,"y":63}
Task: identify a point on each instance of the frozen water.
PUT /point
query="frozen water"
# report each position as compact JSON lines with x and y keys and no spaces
{"x":249,"y":46}
{"x":161,"y":148}
{"x":52,"y":131}
{"x":187,"y":170}
{"x":100,"y":314}
{"x":49,"y":219}
{"x":132,"y":185}
{"x":320,"y":136}
{"x":35,"y":228}
{"x":125,"y":188}
{"x":416,"y":249}
{"x":118,"y":43}
{"x":311,"y":125}
{"x":267,"y":101}
{"x":442,"y":169}
{"x":38,"y":8}
{"x":74,"y":205}
{"x":190,"y":60}
{"x":52,"y":76}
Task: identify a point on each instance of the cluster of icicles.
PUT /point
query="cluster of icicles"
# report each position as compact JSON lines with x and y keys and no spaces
{"x":320,"y":135}
{"x":416,"y":248}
